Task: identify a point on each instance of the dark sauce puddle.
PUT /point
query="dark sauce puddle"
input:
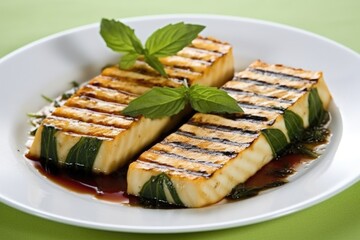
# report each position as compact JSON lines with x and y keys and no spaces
{"x":112,"y":187}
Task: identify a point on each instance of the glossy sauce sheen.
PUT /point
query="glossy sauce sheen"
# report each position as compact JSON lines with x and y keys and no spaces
{"x":112,"y":187}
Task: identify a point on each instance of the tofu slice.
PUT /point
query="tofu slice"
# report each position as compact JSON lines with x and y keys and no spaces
{"x":89,"y":132}
{"x":208,"y":156}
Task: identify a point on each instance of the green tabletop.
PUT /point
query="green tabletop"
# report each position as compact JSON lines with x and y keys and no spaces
{"x":23,"y":21}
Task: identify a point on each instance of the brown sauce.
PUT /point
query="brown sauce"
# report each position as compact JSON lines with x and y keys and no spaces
{"x":112,"y":187}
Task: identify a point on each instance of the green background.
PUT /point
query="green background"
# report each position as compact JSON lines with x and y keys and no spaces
{"x":22,"y":22}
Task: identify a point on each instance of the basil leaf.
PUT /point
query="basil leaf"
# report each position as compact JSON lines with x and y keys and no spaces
{"x":294,"y":125}
{"x":48,"y":151}
{"x":276,"y":139}
{"x":172,"y":38}
{"x":82,"y":155}
{"x":210,"y":99}
{"x":119,"y":37}
{"x":242,"y":191}
{"x":155,"y":189}
{"x":128,"y":60}
{"x":158,"y":103}
{"x":316,"y":109}
{"x":48,"y":143}
{"x":163,"y":42}
{"x":155,"y":64}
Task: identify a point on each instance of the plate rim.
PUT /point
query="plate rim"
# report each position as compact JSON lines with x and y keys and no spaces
{"x":167,"y":229}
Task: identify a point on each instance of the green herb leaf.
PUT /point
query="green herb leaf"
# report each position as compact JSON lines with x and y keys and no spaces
{"x":155,"y":189}
{"x":294,"y":125}
{"x":50,"y":100}
{"x":120,"y":37}
{"x":172,"y":38}
{"x":155,"y":64}
{"x":276,"y":139}
{"x":242,"y":191}
{"x":48,"y":151}
{"x":210,"y":99}
{"x":82,"y":155}
{"x":316,"y":109}
{"x":158,"y":103}
{"x":301,"y":149}
{"x":161,"y":102}
{"x":36,"y":115}
{"x":163,"y":42}
{"x":128,"y":60}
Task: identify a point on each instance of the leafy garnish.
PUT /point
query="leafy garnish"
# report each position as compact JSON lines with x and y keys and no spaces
{"x":164,"y":42}
{"x":158,"y":102}
{"x":83,"y":154}
{"x":162,"y":102}
{"x":241,"y":191}
{"x":48,"y":99}
{"x":156,"y":187}
{"x":276,"y":139}
{"x":48,"y":152}
{"x":210,"y":99}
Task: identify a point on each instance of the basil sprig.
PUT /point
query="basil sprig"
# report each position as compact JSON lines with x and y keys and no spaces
{"x":164,"y":42}
{"x":161,"y":102}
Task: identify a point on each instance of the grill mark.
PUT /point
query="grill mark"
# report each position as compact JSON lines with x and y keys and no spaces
{"x":99,"y":83}
{"x":179,"y":68}
{"x":101,"y":134}
{"x":195,"y":148}
{"x":144,"y":70}
{"x":173,"y":70}
{"x":269,"y":109}
{"x":279,"y":75}
{"x":182,"y":74}
{"x":177,"y":79}
{"x":99,"y":110}
{"x":213,"y":51}
{"x":176,"y":156}
{"x":127,"y":98}
{"x":100,"y":125}
{"x":224,"y":128}
{"x":100,"y":122}
{"x":210,"y":139}
{"x":212,"y":41}
{"x":81,"y":134}
{"x":248,"y":118}
{"x":161,"y":166}
{"x":205,"y":55}
{"x":247,"y":93}
{"x":266,"y":84}
{"x":139,"y":81}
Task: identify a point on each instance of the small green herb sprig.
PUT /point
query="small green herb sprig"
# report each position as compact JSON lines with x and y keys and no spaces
{"x":161,"y":102}
{"x":164,"y":42}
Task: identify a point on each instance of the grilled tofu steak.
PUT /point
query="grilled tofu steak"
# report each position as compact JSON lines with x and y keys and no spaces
{"x":89,"y":132}
{"x":208,"y":156}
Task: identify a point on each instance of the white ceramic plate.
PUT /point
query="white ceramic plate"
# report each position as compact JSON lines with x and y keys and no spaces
{"x":47,"y":66}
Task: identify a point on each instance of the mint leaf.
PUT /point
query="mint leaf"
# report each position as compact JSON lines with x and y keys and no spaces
{"x":120,"y":37}
{"x":155,"y":64}
{"x":210,"y":99}
{"x":172,"y":38}
{"x":158,"y":103}
{"x":128,"y":60}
